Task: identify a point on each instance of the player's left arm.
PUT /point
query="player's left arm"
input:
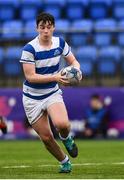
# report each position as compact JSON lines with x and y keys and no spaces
{"x":69,"y":56}
{"x":71,"y":60}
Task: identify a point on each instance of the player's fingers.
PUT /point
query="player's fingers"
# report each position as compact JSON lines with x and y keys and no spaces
{"x":64,"y":78}
{"x":80,"y":77}
{"x":65,"y":82}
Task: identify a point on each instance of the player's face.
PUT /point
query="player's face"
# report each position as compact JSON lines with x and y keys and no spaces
{"x":45,"y":30}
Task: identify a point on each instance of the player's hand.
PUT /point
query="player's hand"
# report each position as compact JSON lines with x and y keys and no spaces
{"x":81,"y":75}
{"x":62,"y":79}
{"x":80,"y":72}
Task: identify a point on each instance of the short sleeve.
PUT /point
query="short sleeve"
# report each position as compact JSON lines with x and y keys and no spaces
{"x":65,"y":47}
{"x":28,"y":54}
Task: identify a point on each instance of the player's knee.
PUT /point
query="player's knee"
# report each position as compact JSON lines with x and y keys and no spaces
{"x":63,"y":126}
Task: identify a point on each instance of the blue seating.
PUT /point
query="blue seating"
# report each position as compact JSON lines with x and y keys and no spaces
{"x":120,"y":36}
{"x":74,"y":10}
{"x":106,"y":68}
{"x":106,"y":25}
{"x":11,"y":65}
{"x":122,"y":69}
{"x":14,"y":3}
{"x":121,"y":25}
{"x":120,"y":39}
{"x":12,"y":29}
{"x":99,"y":9}
{"x":81,"y":2}
{"x":1,"y":60}
{"x":28,"y":12}
{"x":87,"y":68}
{"x":53,"y":9}
{"x":109,"y":59}
{"x":118,"y":1}
{"x":102,"y":39}
{"x":86,"y":53}
{"x":110,"y":53}
{"x":34,"y":3}
{"x":118,"y":9}
{"x":1,"y":55}
{"x":60,"y":3}
{"x":7,"y":12}
{"x":12,"y":69}
{"x":104,"y":32}
{"x":30,"y":29}
{"x":62,"y":26}
{"x":13,"y":53}
{"x":106,"y":2}
{"x":8,"y":9}
{"x":84,"y":27}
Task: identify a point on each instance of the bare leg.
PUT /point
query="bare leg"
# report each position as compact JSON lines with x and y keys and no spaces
{"x":59,"y":116}
{"x":42,"y":127}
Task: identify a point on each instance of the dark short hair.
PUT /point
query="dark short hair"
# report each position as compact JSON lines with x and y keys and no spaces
{"x":45,"y":17}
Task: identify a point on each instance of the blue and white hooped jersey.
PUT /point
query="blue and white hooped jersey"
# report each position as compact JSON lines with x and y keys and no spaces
{"x":46,"y":62}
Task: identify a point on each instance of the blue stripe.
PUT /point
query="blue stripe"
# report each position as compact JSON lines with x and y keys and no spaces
{"x":29,"y":48}
{"x":61,"y":43}
{"x":47,"y":70}
{"x":39,"y":97}
{"x":48,"y":54}
{"x":41,"y":86}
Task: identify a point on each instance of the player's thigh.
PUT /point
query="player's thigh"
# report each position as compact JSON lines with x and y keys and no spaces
{"x":42,"y":127}
{"x":58,"y":113}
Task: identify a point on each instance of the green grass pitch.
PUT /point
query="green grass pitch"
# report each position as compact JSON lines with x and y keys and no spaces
{"x":29,"y":160}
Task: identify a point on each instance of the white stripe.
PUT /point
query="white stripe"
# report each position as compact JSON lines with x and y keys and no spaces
{"x":66,"y":49}
{"x":39,"y":92}
{"x":51,"y":165}
{"x":27,"y":56}
{"x":48,"y":62}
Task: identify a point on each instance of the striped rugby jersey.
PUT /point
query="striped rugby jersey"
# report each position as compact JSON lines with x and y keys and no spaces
{"x":46,"y":62}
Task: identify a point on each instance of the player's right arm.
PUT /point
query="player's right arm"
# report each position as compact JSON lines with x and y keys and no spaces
{"x":32,"y":77}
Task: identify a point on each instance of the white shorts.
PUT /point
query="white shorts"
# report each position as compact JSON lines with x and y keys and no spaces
{"x":34,"y":109}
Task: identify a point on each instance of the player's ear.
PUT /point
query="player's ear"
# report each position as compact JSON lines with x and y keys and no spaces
{"x":37,"y":29}
{"x":53,"y":28}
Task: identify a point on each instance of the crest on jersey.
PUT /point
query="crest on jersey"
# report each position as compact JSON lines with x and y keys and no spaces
{"x":57,"y":52}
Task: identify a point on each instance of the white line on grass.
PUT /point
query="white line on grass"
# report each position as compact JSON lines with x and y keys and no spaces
{"x":50,"y":165}
{"x":20,"y":166}
{"x":120,"y":163}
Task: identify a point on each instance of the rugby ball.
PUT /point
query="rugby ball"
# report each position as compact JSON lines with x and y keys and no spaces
{"x":73,"y":74}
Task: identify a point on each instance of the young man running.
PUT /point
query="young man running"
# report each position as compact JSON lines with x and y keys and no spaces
{"x":41,"y":93}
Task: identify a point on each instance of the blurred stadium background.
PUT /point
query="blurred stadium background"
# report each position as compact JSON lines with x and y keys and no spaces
{"x":95,"y":31}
